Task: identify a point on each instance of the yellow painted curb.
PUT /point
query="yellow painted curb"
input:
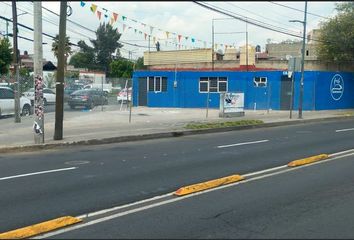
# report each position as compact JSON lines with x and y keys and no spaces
{"x":209,"y":184}
{"x":40,"y":228}
{"x":307,"y":160}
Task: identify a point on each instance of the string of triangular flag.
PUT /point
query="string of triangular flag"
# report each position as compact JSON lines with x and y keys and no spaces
{"x":114,"y":18}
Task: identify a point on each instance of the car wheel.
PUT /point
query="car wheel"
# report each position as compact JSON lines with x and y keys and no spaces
{"x":26,"y":110}
{"x":91,"y":105}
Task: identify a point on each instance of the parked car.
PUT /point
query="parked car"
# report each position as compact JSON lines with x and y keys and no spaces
{"x":48,"y":96}
{"x":70,"y":89}
{"x":7,"y":103}
{"x":88,"y":98}
{"x":107,"y":87}
{"x":122,"y":95}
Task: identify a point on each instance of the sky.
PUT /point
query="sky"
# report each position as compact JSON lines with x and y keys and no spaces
{"x":176,"y":25}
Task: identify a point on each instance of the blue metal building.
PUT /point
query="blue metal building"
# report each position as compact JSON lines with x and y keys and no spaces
{"x":262,"y":89}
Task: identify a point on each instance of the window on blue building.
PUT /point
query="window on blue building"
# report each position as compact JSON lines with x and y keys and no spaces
{"x":260,"y":81}
{"x":214,"y":84}
{"x":157,"y":84}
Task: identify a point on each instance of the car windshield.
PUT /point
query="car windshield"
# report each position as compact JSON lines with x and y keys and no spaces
{"x":80,"y":92}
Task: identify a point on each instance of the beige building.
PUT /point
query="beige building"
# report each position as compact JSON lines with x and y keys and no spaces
{"x":283,"y":51}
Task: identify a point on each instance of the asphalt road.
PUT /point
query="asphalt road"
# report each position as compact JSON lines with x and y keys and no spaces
{"x":312,"y":202}
{"x":92,"y":178}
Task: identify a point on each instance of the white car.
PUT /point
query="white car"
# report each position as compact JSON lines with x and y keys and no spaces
{"x":48,"y":96}
{"x":7,"y":103}
{"x":122,"y":95}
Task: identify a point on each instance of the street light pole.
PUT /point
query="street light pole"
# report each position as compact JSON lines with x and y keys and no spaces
{"x":212,"y":44}
{"x":302,"y":60}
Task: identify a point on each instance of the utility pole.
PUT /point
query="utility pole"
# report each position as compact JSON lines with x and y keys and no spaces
{"x":59,"y":109}
{"x":15,"y":63}
{"x":212,"y":45}
{"x":302,"y":63}
{"x":246,"y":46}
{"x":38,"y":74}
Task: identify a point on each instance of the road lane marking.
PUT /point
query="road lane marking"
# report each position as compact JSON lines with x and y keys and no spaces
{"x":344,"y":130}
{"x":106,"y":218}
{"x":37,"y":173}
{"x":264,"y":171}
{"x":40,"y":228}
{"x":244,"y":143}
{"x":340,"y":153}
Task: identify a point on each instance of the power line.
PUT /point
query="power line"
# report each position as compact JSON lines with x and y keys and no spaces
{"x":299,"y":10}
{"x":258,"y":14}
{"x":225,"y":12}
{"x":244,"y":19}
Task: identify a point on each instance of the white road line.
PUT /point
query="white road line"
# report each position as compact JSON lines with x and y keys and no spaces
{"x":344,"y":130}
{"x":340,"y":153}
{"x":245,"y":143}
{"x":264,"y":171}
{"x":37,"y":173}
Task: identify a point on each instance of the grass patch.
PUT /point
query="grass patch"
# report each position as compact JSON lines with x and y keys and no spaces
{"x":222,"y":124}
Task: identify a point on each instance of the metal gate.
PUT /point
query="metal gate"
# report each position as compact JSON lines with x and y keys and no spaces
{"x":285,"y":93}
{"x":142,"y":96}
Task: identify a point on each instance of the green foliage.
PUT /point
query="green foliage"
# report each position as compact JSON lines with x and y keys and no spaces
{"x":5,"y":55}
{"x":67,"y":50}
{"x":121,"y":68}
{"x":140,"y":64}
{"x":105,"y":49}
{"x":337,"y":35}
{"x":222,"y":124}
{"x":82,"y":60}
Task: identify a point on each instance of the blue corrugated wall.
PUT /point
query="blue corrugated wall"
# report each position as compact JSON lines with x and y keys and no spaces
{"x":317,"y":85}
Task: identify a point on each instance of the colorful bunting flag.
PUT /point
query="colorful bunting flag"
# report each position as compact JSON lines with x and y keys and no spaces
{"x":124,"y":26}
{"x":115,"y":16}
{"x":193,"y":40}
{"x":145,"y":35}
{"x":82,"y":4}
{"x":99,"y":15}
{"x":167,"y":33}
{"x":135,"y":30}
{"x":124,"y":18}
{"x":151,"y":28}
{"x":179,"y":38}
{"x":93,"y":8}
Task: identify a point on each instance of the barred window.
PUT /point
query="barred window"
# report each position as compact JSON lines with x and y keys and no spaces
{"x":260,"y":82}
{"x":157,"y":84}
{"x":213,"y":84}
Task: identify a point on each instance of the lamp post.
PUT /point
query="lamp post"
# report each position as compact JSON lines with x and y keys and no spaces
{"x":302,"y":60}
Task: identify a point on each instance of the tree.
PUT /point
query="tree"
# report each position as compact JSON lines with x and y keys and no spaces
{"x":67,"y":50}
{"x":105,"y":49}
{"x":336,"y":41}
{"x":5,"y":55}
{"x":140,"y":64}
{"x":121,"y":68}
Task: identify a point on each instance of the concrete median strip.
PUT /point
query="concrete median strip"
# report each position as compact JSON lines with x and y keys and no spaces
{"x":40,"y":228}
{"x":308,"y":160}
{"x":207,"y":185}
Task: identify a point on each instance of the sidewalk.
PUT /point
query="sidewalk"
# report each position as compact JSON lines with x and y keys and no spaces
{"x":110,"y":123}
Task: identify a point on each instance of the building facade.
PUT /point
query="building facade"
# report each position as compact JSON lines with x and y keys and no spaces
{"x":262,"y":89}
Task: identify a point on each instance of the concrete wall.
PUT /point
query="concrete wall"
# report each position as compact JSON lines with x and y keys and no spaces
{"x":180,"y":56}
